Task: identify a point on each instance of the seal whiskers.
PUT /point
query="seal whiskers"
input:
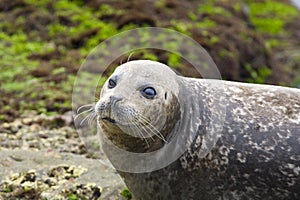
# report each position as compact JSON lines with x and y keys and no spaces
{"x":85,"y":118}
{"x":152,"y":128}
{"x":138,"y":123}
{"x":140,"y":133}
{"x":84,"y":106}
{"x":91,"y":114}
{"x":140,"y":126}
{"x":92,"y":117}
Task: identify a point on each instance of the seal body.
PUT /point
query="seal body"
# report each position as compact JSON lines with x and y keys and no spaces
{"x":256,"y":156}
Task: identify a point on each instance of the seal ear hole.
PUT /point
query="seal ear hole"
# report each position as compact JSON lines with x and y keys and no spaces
{"x":166,"y":96}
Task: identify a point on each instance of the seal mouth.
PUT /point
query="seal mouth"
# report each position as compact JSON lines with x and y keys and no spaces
{"x":110,"y":120}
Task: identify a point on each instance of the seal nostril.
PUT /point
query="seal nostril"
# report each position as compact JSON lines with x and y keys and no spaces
{"x":99,"y":107}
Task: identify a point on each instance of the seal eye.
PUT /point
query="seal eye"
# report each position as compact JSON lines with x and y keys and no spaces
{"x":111,"y":83}
{"x":149,"y":92}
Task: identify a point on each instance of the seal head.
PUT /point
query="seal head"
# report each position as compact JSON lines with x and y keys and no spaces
{"x":136,"y":111}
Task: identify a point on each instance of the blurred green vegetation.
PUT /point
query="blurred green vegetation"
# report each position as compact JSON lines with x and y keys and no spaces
{"x":43,"y":43}
{"x":271,"y":16}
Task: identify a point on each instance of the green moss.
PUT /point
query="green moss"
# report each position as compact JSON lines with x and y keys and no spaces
{"x":270,"y":16}
{"x":192,"y":16}
{"x":6,"y":190}
{"x":105,"y":31}
{"x":27,"y":189}
{"x":210,"y":8}
{"x":15,"y":86}
{"x":214,"y":39}
{"x":206,"y":23}
{"x":223,"y":53}
{"x":65,"y":5}
{"x":56,"y":28}
{"x":258,"y":76}
{"x":271,"y":43}
{"x":174,"y":61}
{"x":205,"y":33}
{"x":237,"y":7}
{"x":105,"y":10}
{"x":7,"y":108}
{"x":149,"y":56}
{"x":126,"y":193}
{"x":271,"y":26}
{"x":72,"y":197}
{"x":14,"y":60}
{"x":181,"y":26}
{"x":59,"y":70}
{"x":18,"y":45}
{"x":40,"y":3}
{"x":83,"y":19}
{"x":296,"y":82}
{"x":159,"y":4}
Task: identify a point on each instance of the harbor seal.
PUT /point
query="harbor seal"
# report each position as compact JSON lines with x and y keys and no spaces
{"x":144,"y":106}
